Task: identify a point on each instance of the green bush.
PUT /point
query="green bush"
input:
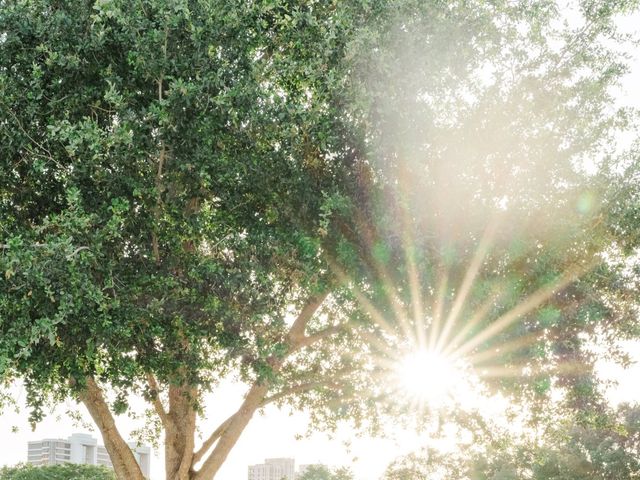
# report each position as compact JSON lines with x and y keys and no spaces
{"x":68,"y":471}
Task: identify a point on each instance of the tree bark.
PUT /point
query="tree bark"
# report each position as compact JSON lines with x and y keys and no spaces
{"x":124,"y":463}
{"x":179,"y":433}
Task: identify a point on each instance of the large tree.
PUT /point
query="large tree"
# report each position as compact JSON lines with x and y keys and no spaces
{"x":290,"y":193}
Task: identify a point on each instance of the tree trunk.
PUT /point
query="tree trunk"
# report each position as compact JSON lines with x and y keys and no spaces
{"x":179,"y":434}
{"x":124,"y":463}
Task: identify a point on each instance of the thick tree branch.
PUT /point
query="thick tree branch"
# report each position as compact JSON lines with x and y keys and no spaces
{"x":124,"y":463}
{"x":228,"y":433}
{"x":158,"y":206}
{"x":208,"y":443}
{"x":155,"y":399}
{"x":296,"y":332}
{"x":187,"y":457}
{"x":232,"y":432}
{"x":309,"y":340}
{"x":303,"y":387}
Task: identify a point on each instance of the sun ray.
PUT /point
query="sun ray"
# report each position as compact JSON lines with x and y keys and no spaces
{"x":389,"y":356}
{"x":465,"y":288}
{"x":438,"y":307}
{"x":362,"y":299}
{"x":529,"y":371}
{"x":529,"y":304}
{"x":501,"y":371}
{"x":479,"y":315}
{"x":400,"y":314}
{"x":506,"y":347}
{"x":413,"y":276}
{"x":414,"y":289}
{"x":383,"y":276}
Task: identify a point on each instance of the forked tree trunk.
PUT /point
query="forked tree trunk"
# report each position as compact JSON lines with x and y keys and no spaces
{"x":179,"y":421}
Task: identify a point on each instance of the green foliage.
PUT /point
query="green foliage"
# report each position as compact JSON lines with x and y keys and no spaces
{"x":67,"y":471}
{"x":166,"y":188}
{"x":560,"y":450}
{"x":608,"y":449}
{"x":483,"y":146}
{"x":321,"y":472}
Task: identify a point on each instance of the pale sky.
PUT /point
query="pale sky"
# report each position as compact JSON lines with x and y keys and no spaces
{"x":273,"y":434}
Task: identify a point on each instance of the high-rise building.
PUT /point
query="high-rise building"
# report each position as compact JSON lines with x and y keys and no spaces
{"x":81,"y":448}
{"x":273,"y":469}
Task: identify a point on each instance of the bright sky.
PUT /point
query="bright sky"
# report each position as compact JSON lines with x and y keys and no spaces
{"x":270,"y":435}
{"x":274,"y":433}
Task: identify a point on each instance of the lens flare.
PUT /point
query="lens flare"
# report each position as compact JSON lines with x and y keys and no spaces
{"x":428,"y":376}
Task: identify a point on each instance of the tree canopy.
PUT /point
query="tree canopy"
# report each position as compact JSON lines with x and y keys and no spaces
{"x":294,"y":194}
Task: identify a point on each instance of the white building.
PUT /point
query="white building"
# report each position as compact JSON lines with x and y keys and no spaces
{"x":273,"y":469}
{"x":142,"y":454}
{"x":81,"y":448}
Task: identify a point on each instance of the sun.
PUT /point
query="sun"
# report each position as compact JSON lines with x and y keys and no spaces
{"x":428,"y":376}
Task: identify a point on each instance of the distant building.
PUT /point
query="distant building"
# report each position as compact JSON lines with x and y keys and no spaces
{"x":142,"y":454}
{"x":273,"y":469}
{"x":81,"y":448}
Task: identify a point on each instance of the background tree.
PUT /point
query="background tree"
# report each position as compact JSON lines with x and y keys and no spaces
{"x":56,"y":472}
{"x":558,"y":449}
{"x":321,"y":472}
{"x":491,"y":236}
{"x":295,"y":194}
{"x":316,"y":472}
{"x":604,"y":449}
